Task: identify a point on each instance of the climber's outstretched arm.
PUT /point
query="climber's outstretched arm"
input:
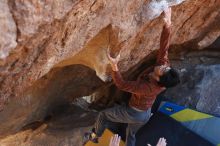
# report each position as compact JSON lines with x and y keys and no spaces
{"x":128,"y":86}
{"x":162,"y":57}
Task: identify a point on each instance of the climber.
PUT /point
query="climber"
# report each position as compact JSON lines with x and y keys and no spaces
{"x":144,"y":91}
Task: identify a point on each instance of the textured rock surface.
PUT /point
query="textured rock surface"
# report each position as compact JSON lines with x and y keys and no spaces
{"x":57,"y":88}
{"x":8,"y":30}
{"x":208,"y":89}
{"x":51,"y":34}
{"x":30,"y":15}
{"x":66,"y":128}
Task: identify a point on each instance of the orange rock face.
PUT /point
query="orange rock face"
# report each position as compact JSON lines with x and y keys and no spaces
{"x":47,"y":34}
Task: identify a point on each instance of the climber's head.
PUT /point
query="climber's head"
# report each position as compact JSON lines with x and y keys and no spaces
{"x":166,"y":76}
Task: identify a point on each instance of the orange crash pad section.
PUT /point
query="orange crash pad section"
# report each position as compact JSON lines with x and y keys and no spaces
{"x":104,"y":140}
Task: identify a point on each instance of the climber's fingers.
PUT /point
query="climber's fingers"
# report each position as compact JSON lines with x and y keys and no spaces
{"x":162,"y":142}
{"x":108,"y":54}
{"x":119,"y":56}
{"x":167,"y":10}
{"x":113,"y":60}
{"x":167,"y":15}
{"x":115,"y":140}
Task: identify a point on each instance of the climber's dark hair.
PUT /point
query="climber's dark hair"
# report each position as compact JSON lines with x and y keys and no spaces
{"x":170,"y":79}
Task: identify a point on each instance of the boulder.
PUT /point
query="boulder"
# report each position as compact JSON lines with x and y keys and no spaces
{"x":42,"y":38}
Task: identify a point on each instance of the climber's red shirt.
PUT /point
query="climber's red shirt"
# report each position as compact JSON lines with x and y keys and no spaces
{"x":145,"y":92}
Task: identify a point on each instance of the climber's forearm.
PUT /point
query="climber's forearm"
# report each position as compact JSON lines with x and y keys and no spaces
{"x":162,"y":57}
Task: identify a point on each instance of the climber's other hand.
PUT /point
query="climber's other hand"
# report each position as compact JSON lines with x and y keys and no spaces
{"x":113,"y":61}
{"x":115,"y":140}
{"x":162,"y":142}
